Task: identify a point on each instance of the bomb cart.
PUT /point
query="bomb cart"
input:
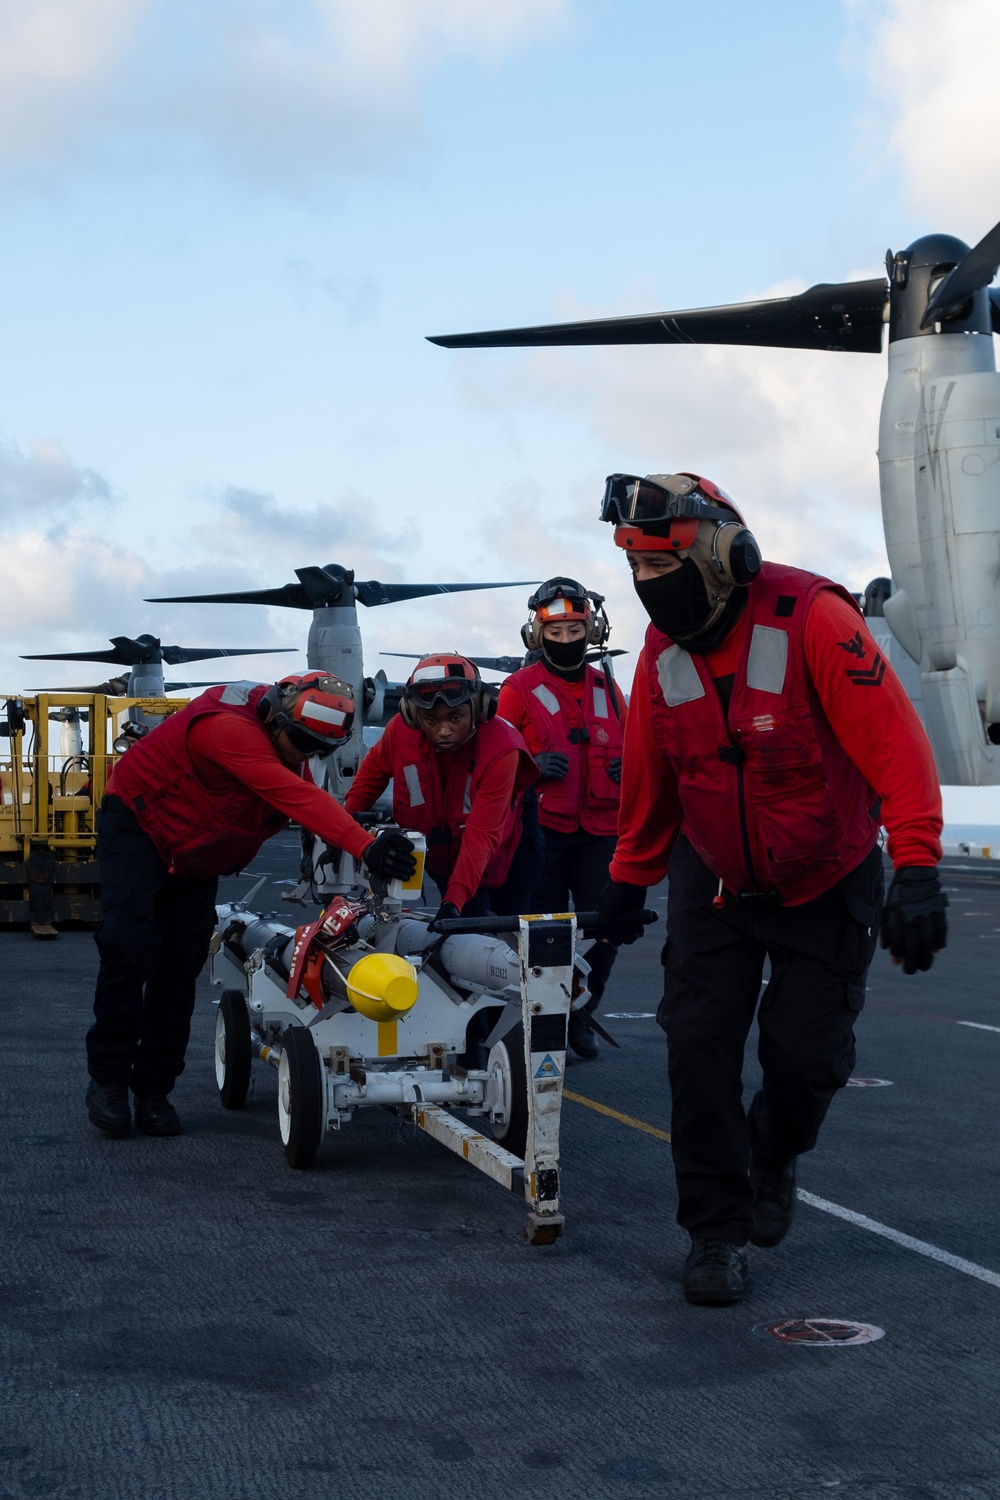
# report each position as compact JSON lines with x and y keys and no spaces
{"x":366,"y":1007}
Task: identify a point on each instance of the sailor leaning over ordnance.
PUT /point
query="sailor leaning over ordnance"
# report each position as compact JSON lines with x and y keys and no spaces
{"x":460,"y":775}
{"x":193,"y":800}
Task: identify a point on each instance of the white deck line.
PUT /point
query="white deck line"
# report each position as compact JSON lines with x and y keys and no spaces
{"x":862,"y":1221}
{"x":979,"y":1025}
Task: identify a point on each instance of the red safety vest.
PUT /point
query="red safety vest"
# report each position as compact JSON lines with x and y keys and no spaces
{"x":196,"y":831}
{"x":419,"y":801}
{"x":585,"y":797}
{"x":771,"y":802}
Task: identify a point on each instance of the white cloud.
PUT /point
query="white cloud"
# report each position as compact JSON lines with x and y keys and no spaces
{"x":47,"y":480}
{"x":295,"y":83}
{"x":55,"y":58}
{"x":932,"y":70}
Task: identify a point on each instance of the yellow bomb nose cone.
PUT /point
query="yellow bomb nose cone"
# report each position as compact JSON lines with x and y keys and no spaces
{"x":382,"y":986}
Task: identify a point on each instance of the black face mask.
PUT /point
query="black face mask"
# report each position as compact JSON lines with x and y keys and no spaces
{"x":676,"y":602}
{"x":566,"y":658}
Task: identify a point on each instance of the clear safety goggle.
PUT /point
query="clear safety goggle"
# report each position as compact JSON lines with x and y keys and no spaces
{"x":630,"y":500}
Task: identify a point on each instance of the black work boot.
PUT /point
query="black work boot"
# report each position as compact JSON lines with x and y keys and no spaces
{"x":155,"y":1115}
{"x":107,"y":1106}
{"x":773,"y":1201}
{"x":582,"y":1037}
{"x":716,"y":1273}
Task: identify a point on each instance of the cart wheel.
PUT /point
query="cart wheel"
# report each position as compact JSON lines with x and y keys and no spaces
{"x":301,"y":1113}
{"x":509,"y":1083}
{"x":233,"y":1050}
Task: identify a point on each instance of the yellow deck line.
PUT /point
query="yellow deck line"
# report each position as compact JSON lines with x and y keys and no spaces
{"x":615,"y":1114}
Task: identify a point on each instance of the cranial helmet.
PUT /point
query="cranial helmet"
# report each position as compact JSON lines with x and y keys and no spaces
{"x":690,"y":516}
{"x":445,"y":677}
{"x":314,"y":709}
{"x":559,"y":599}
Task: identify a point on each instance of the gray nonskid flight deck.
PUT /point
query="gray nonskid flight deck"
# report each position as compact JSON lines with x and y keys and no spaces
{"x":190,"y":1317}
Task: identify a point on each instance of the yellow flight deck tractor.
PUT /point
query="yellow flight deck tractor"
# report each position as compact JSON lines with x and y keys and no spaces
{"x":50,"y":790}
{"x":366,"y":1007}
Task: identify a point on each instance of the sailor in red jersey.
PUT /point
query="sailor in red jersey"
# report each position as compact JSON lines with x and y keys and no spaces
{"x":571,"y":716}
{"x":767,"y":740}
{"x":459,"y":775}
{"x":193,"y":800}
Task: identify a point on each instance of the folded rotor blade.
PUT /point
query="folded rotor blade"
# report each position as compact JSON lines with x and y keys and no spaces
{"x":372,"y":593}
{"x":975,"y":270}
{"x":292,"y":596}
{"x":841,"y":316}
{"x":505,"y":664}
{"x":126,"y":653}
{"x":175,"y":655}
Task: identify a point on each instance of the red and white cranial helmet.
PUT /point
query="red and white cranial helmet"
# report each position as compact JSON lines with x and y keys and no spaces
{"x":317,"y":711}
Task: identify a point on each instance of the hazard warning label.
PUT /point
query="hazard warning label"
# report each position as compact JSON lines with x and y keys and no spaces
{"x":547,"y":1068}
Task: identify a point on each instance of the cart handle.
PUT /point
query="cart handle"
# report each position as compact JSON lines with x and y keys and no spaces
{"x":588,"y":923}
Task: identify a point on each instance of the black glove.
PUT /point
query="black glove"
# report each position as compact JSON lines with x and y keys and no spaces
{"x":913,"y":921}
{"x":553,"y":764}
{"x":390,"y":857}
{"x":615,"y":768}
{"x":445,"y":911}
{"x":618,"y":908}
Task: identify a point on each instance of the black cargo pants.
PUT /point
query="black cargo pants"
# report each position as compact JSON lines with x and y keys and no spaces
{"x":576,"y":866}
{"x":153,"y":942}
{"x":713,"y":962}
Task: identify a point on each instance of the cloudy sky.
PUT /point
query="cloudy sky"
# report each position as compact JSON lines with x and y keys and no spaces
{"x":227,"y":227}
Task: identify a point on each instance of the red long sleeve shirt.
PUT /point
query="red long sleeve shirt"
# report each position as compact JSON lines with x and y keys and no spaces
{"x":882,"y":735}
{"x":484,"y":825}
{"x":224,"y":749}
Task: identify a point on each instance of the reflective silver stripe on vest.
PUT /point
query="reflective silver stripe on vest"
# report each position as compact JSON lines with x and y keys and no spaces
{"x":412,"y":777}
{"x":679,"y":680}
{"x":467,"y":799}
{"x":546,"y":698}
{"x":238,"y":692}
{"x":600,"y":702}
{"x":768,"y":659}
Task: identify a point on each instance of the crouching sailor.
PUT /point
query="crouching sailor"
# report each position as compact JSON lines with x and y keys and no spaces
{"x":194,"y":800}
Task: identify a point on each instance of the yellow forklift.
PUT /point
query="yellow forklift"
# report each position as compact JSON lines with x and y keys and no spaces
{"x":51,"y":785}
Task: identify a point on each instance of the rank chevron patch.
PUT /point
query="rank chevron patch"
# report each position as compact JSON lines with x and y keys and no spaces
{"x":869,"y":676}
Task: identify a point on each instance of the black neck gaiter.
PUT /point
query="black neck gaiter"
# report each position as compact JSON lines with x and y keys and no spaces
{"x":565,"y":658}
{"x":677,"y":604}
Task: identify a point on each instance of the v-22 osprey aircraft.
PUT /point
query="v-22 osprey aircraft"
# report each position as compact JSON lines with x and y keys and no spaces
{"x":939,"y":457}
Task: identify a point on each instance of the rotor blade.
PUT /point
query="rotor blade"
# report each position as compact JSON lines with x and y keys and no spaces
{"x":180,"y":687}
{"x":372,"y":593}
{"x":174,"y":655}
{"x":976,"y":269}
{"x":833,"y":315}
{"x":114,"y":658}
{"x":292,"y":596}
{"x":502,"y":663}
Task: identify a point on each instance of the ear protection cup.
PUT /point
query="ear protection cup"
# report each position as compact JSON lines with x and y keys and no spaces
{"x":408,"y":713}
{"x":269,"y":706}
{"x":736,"y":554}
{"x":484,"y":705}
